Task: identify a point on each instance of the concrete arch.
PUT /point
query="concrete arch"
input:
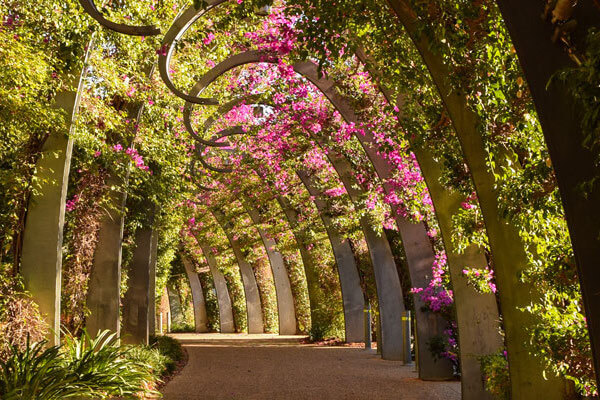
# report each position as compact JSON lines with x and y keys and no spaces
{"x":384,"y":265}
{"x":315,"y":290}
{"x":41,"y":260}
{"x":574,"y":164}
{"x":253,"y":304}
{"x":105,"y":278}
{"x":527,"y":380}
{"x":477,"y":314}
{"x":200,"y":315}
{"x":352,"y":294}
{"x":285,"y":300}
{"x":174,"y":305}
{"x":136,"y":312}
{"x":429,"y":324}
{"x":226,"y":321}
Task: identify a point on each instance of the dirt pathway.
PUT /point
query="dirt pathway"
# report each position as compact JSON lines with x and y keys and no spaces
{"x":275,"y":367}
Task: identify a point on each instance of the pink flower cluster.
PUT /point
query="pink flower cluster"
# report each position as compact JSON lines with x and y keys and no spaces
{"x":133,"y":154}
{"x":435,"y":296}
{"x":470,"y":202}
{"x":72,"y":204}
{"x":481,"y":278}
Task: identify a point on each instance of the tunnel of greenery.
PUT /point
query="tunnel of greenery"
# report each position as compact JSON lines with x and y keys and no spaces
{"x":283,"y":166}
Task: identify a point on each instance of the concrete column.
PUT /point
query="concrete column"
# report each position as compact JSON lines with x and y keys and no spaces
{"x":152,"y":286}
{"x":574,"y":162}
{"x":104,"y":310}
{"x":285,"y":300}
{"x":321,"y":310}
{"x":175,"y":304}
{"x":508,"y":251}
{"x":41,"y":261}
{"x":103,"y":297}
{"x":253,"y":304}
{"x":225,"y":310}
{"x":136,"y":327}
{"x":389,"y":291}
{"x":476,"y":313}
{"x":418,"y":249}
{"x":163,"y":312}
{"x":200,"y":316}
{"x":352,"y":294}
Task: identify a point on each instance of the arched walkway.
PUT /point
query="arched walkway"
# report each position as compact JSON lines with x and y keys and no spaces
{"x":423,"y":172}
{"x":280,"y":367}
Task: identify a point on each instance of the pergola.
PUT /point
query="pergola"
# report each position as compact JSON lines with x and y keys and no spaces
{"x":477,"y":314}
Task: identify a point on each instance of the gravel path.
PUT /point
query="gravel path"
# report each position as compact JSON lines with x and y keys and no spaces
{"x":275,"y":367}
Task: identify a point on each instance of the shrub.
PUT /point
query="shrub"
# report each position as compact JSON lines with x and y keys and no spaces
{"x":170,"y":348}
{"x":182,"y":328}
{"x":82,"y":367}
{"x":104,"y":366}
{"x":20,"y":318}
{"x":495,"y":371}
{"x":35,"y":373}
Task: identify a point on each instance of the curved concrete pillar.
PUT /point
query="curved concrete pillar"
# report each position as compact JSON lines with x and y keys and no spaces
{"x":352,"y":293}
{"x":380,"y":245}
{"x":225,"y":310}
{"x":322,"y":315}
{"x":389,"y":291}
{"x":136,"y":327}
{"x":41,"y":260}
{"x":283,"y":288}
{"x":175,"y":305}
{"x":200,"y":316}
{"x":574,"y":163}
{"x":477,"y":314}
{"x":104,"y":287}
{"x":152,"y":288}
{"x":253,"y":305}
{"x":508,"y":253}
{"x":104,"y":291}
{"x":417,"y":246}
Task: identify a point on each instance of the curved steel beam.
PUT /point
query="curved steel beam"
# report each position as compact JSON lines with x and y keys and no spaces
{"x":90,"y":7}
{"x":254,"y":56}
{"x":206,"y":165}
{"x":194,"y":178}
{"x":253,"y":304}
{"x":176,"y":32}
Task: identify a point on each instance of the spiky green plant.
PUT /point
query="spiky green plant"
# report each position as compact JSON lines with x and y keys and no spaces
{"x":83,"y":367}
{"x":37,"y":373}
{"x":104,"y":367}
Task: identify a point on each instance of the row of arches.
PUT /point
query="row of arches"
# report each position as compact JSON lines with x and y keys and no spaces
{"x":506,"y":246}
